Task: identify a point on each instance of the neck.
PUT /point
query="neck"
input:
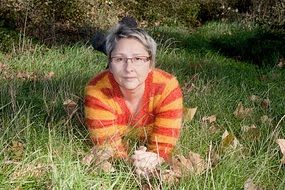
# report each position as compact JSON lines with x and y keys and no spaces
{"x":133,"y":95}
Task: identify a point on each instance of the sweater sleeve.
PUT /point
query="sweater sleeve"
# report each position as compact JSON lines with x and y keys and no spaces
{"x":100,"y":117}
{"x":168,"y":120}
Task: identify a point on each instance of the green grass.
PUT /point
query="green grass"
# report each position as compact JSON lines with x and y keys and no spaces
{"x":49,"y":145}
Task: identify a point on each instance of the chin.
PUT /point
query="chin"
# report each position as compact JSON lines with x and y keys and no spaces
{"x":130,"y":86}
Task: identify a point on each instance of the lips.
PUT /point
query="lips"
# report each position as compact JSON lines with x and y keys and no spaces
{"x":129,"y":77}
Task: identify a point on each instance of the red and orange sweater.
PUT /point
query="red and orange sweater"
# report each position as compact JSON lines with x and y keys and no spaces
{"x":157,"y":123}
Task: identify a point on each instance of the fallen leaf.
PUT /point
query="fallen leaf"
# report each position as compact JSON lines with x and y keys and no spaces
{"x":70,"y":106}
{"x":281,"y":143}
{"x":254,"y":98}
{"x":29,"y":170}
{"x":249,"y":185}
{"x":189,"y":113}
{"x":251,"y":132}
{"x":214,"y":129}
{"x":229,"y":141}
{"x":87,"y":160}
{"x":266,"y":120}
{"x":281,"y":63}
{"x":169,"y":176}
{"x":102,"y":153}
{"x":209,"y":119}
{"x":146,"y":186}
{"x":3,"y":66}
{"x":265,"y":103}
{"x":192,"y":164}
{"x":198,"y":162}
{"x":106,"y":166}
{"x":49,"y":75}
{"x":26,"y":76}
{"x":242,"y":112}
{"x":214,"y":157}
{"x":17,"y":149}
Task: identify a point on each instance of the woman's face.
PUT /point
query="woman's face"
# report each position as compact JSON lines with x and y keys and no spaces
{"x":130,"y":64}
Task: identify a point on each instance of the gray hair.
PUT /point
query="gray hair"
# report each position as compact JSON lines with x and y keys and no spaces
{"x":121,"y":31}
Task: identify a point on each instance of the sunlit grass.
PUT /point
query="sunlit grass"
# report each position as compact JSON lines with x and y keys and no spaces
{"x":41,"y":145}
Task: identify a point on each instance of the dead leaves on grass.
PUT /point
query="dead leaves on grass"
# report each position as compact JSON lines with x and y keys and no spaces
{"x":16,"y":150}
{"x":8,"y":74}
{"x":249,"y":185}
{"x":30,"y":170}
{"x":229,"y":141}
{"x":70,"y":106}
{"x":251,"y":132}
{"x":189,"y":113}
{"x":241,"y":112}
{"x":100,"y":157}
{"x":191,"y":164}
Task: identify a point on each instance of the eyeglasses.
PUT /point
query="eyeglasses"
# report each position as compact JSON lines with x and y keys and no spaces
{"x":138,"y":60}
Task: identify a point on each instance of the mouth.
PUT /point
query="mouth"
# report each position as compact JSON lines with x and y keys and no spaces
{"x":129,"y":77}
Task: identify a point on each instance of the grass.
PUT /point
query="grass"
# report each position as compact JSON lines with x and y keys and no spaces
{"x":41,"y":145}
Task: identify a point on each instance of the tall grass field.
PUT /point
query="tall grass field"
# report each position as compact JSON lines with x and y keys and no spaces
{"x":43,"y":142}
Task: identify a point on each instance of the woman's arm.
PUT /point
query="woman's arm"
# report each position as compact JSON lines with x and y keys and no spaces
{"x":168,"y":120}
{"x":100,"y":117}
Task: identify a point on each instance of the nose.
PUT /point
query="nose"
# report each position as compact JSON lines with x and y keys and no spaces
{"x":129,"y":65}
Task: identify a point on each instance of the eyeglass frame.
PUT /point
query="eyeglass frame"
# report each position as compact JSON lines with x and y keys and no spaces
{"x":144,"y":59}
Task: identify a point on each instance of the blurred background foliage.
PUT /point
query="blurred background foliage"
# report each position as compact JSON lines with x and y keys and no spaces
{"x":71,"y":20}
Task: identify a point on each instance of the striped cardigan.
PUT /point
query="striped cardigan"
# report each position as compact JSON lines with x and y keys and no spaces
{"x":157,"y":123}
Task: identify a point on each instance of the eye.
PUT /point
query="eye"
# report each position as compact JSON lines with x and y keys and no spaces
{"x":118,"y":59}
{"x":138,"y":58}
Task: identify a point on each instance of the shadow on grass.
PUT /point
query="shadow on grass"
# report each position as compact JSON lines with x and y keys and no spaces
{"x":259,"y":46}
{"x":42,"y":102}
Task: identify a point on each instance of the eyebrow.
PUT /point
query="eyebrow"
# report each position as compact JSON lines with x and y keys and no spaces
{"x":135,"y":54}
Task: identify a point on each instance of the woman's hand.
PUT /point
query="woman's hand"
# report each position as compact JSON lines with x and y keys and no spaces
{"x":146,"y":162}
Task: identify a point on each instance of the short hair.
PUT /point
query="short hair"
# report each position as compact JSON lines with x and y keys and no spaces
{"x":121,"y":31}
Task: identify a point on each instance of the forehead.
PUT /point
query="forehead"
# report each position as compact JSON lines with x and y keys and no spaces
{"x":128,"y":46}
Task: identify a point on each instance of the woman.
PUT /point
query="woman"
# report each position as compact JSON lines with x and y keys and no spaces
{"x":132,"y":100}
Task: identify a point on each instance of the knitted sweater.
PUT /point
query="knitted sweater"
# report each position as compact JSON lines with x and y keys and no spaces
{"x":157,"y":123}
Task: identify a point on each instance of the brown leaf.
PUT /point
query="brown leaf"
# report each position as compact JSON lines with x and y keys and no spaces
{"x":214,"y":129}
{"x":17,"y":148}
{"x":192,"y":164}
{"x":102,"y":153}
{"x":214,"y":157}
{"x":249,"y":185}
{"x":87,"y":160}
{"x":242,"y":112}
{"x":70,"y":106}
{"x":33,"y":170}
{"x":3,"y":66}
{"x":281,"y":143}
{"x":106,"y":166}
{"x":266,"y":120}
{"x":26,"y":75}
{"x":189,"y":113}
{"x":251,"y":132}
{"x":169,"y":176}
{"x":146,"y":186}
{"x":281,"y":63}
{"x":209,"y":119}
{"x":265,"y":103}
{"x":49,"y":75}
{"x":254,"y":98}
{"x":229,"y":141}
{"x":198,"y":162}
